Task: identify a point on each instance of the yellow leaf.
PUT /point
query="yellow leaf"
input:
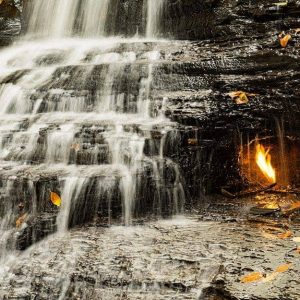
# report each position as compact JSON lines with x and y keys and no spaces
{"x":21,"y":219}
{"x":251,"y":277}
{"x":283,"y":268}
{"x":285,"y":235}
{"x":55,"y":199}
{"x":240,"y":97}
{"x":284,"y":41}
{"x":192,"y":142}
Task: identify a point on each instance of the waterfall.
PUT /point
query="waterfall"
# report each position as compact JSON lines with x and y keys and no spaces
{"x":56,"y":18}
{"x":154,"y":11}
{"x":85,"y":18}
{"x":79,"y":117}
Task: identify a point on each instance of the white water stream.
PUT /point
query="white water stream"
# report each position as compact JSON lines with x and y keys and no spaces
{"x":48,"y":116}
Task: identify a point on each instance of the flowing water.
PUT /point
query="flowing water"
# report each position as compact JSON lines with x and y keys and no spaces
{"x":77,"y":115}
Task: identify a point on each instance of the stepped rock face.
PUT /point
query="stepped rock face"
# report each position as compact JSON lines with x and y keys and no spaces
{"x":237,"y":48}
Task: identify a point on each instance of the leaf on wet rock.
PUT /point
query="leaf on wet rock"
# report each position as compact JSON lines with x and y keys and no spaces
{"x":192,"y":142}
{"x":240,"y":97}
{"x":251,"y":277}
{"x":285,"y":235}
{"x":280,"y":269}
{"x":21,"y":219}
{"x":55,"y":199}
{"x":283,"y":268}
{"x":284,"y":40}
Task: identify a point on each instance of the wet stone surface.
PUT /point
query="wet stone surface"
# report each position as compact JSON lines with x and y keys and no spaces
{"x":183,"y":258}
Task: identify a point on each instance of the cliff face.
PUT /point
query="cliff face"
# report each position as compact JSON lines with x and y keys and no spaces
{"x":233,"y":45}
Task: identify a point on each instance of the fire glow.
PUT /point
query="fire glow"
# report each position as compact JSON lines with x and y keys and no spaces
{"x":263,"y":160}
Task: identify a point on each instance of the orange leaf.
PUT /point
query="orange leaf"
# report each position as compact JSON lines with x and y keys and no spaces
{"x":285,"y":235}
{"x":20,"y":220}
{"x":251,"y":277}
{"x":283,"y":268}
{"x":55,"y":199}
{"x":235,"y":94}
{"x":284,"y":41}
{"x":192,"y":142}
{"x":240,"y":97}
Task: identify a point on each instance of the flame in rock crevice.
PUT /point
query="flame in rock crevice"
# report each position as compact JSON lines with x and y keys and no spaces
{"x":263,"y":160}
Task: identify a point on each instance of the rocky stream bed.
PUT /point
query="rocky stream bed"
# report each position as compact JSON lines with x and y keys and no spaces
{"x":201,"y":256}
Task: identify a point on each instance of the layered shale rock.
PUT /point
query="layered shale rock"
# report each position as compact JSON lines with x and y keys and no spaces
{"x":10,"y":21}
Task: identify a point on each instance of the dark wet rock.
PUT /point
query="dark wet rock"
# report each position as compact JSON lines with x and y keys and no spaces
{"x":10,"y":21}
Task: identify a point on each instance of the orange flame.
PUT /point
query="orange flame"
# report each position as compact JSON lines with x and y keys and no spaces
{"x":263,"y":160}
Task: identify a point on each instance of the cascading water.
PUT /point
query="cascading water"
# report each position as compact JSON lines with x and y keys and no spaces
{"x":56,"y":18}
{"x":76,"y":116}
{"x":85,"y":18}
{"x":154,"y":10}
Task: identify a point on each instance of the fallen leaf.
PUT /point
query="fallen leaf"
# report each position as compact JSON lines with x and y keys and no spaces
{"x":55,"y":199}
{"x":285,"y":235}
{"x":240,"y":97}
{"x":296,"y":239}
{"x":298,"y":249}
{"x":192,"y":142}
{"x":284,"y":41}
{"x":21,"y":219}
{"x":251,"y":277}
{"x":283,"y":268}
